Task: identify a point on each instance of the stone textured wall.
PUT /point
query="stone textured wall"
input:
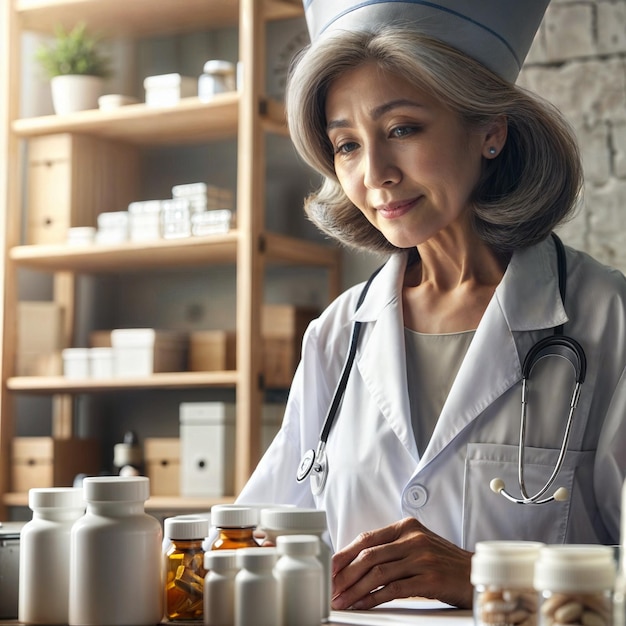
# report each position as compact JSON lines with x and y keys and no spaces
{"x":578,"y":62}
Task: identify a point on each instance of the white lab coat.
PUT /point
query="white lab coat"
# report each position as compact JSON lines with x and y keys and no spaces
{"x":376,"y":475}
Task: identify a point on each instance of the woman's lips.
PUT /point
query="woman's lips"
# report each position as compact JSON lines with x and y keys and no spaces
{"x":394,"y":210}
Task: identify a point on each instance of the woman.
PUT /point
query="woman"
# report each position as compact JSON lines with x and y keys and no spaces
{"x":459,"y":177}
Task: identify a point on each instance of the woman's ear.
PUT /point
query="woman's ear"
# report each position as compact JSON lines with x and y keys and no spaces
{"x":495,"y":137}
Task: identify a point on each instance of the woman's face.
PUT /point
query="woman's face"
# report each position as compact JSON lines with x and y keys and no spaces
{"x":404,"y":160}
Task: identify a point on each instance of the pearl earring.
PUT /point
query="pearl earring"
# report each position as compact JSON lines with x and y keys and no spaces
{"x":492,"y":151}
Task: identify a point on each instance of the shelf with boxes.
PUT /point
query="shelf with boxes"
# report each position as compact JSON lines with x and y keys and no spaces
{"x":90,"y":163}
{"x":140,"y":358}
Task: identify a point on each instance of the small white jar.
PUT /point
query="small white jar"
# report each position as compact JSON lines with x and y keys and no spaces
{"x":218,"y":77}
{"x":44,"y":555}
{"x":257,"y":593}
{"x":502,"y":574}
{"x":300,"y":579}
{"x":219,"y":587}
{"x":115,"y":556}
{"x":281,"y":520}
{"x":576,"y":584}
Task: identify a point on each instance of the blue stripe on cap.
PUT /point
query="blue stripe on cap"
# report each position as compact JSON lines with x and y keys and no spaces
{"x":432,"y":5}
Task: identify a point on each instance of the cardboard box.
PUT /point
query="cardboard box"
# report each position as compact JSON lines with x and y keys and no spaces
{"x":162,"y":460}
{"x":58,"y":198}
{"x":39,"y":338}
{"x":282,"y":328}
{"x":212,"y":351}
{"x":286,"y":321}
{"x":48,"y":462}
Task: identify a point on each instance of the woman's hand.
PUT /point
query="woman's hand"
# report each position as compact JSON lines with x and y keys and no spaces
{"x":399,"y":561}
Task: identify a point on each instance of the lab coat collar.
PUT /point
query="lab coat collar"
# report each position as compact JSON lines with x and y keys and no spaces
{"x":527,"y":299}
{"x":386,"y":288}
{"x":529,"y":291}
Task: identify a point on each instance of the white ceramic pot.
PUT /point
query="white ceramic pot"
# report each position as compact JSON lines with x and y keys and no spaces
{"x":71,"y":93}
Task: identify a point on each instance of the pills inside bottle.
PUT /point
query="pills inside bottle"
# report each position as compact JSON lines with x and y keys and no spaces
{"x":576,"y":585}
{"x":502,"y":575}
{"x":184,"y":569}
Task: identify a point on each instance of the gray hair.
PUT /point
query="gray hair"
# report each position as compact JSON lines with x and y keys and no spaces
{"x":522,"y":195}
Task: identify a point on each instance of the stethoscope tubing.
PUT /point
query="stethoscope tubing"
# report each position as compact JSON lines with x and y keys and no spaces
{"x":315,"y":464}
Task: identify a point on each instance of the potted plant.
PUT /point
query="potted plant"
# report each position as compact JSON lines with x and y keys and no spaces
{"x":76,"y":68}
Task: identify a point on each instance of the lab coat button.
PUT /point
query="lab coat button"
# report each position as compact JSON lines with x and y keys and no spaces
{"x":415,"y":497}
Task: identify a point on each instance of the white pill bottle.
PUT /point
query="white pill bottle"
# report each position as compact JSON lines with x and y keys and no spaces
{"x":44,"y":554}
{"x":279,"y":521}
{"x":257,"y":594}
{"x":502,"y":575}
{"x":300,"y":579}
{"x":576,"y":584}
{"x":115,"y":556}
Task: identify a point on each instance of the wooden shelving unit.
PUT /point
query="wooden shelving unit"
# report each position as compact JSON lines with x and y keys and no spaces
{"x":247,"y":115}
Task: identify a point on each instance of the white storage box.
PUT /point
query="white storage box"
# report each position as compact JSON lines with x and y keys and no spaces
{"x":112,"y":227}
{"x":76,"y":363}
{"x":144,"y":220}
{"x":167,"y":89}
{"x":101,"y":362}
{"x":175,"y":218}
{"x":145,"y":351}
{"x":207,"y":448}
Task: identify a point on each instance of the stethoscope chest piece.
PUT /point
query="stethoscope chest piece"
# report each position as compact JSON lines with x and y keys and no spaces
{"x":314,"y":465}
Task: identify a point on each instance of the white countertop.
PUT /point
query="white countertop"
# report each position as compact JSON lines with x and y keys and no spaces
{"x":406,"y":612}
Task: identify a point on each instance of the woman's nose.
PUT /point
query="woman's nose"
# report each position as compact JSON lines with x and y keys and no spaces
{"x":381,"y":170}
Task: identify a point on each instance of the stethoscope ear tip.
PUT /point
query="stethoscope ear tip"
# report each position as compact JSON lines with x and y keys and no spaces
{"x":496,"y":485}
{"x":561,"y":494}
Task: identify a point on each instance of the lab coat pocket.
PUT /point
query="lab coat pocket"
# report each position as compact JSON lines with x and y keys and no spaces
{"x":488,"y":515}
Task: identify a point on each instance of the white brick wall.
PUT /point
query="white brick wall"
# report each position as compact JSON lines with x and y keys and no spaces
{"x":578,"y":62}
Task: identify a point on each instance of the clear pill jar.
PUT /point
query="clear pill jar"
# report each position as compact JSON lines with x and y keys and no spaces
{"x":115,"y":556}
{"x":576,"y":585}
{"x":44,"y":568}
{"x":502,"y":575}
{"x":235,"y":526}
{"x":184,"y":569}
{"x":218,"y":77}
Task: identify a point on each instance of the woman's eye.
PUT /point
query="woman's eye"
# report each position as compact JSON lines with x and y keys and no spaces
{"x":346,"y":147}
{"x":403,"y":131}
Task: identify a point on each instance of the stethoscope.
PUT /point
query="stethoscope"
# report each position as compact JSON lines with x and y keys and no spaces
{"x":314,"y":463}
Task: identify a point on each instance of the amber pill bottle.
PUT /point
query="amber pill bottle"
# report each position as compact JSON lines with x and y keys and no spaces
{"x":235,"y":527}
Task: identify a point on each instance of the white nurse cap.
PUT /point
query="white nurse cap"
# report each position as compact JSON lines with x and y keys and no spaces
{"x":498,"y":33}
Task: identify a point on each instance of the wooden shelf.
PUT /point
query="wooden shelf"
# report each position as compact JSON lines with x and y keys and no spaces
{"x":165,"y":380}
{"x":190,"y":121}
{"x":141,"y":18}
{"x":156,"y":503}
{"x":167,"y":253}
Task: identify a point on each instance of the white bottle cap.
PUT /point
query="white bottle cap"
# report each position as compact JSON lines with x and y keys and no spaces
{"x":256,"y":558}
{"x":55,"y":498}
{"x":185,"y":529}
{"x":575,"y":567}
{"x":220,"y":560}
{"x":298,"y":545}
{"x":116,"y":488}
{"x":505,"y":563}
{"x":309,"y":520}
{"x":234,"y":517}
